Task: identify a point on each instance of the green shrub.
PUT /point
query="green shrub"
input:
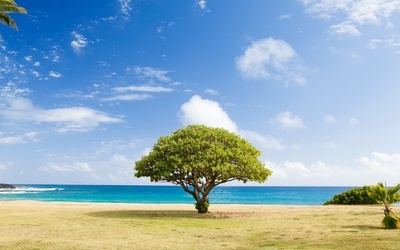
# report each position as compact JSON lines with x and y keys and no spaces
{"x":202,"y":207}
{"x":354,"y":196}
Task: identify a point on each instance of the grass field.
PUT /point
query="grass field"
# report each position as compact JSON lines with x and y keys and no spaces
{"x":38,"y":225}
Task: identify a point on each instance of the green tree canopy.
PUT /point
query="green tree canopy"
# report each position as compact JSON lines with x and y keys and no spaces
{"x":9,"y":6}
{"x":199,"y":158}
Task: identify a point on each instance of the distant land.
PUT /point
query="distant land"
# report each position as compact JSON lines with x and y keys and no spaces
{"x":3,"y":185}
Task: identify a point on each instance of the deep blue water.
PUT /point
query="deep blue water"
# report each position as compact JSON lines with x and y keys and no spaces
{"x":172,"y":194}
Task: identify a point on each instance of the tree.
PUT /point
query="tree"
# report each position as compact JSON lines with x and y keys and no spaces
{"x":9,"y":6}
{"x":387,"y":196}
{"x":199,"y":158}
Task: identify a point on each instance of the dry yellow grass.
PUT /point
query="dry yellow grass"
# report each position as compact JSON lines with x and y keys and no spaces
{"x":38,"y":225}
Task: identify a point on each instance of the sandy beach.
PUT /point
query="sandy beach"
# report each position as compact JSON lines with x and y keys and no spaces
{"x":41,"y":225}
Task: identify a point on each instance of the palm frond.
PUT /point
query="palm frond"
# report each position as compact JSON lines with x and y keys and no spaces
{"x":12,"y":8}
{"x":7,"y":2}
{"x":9,"y":6}
{"x":7,"y":20}
{"x":391,"y":222}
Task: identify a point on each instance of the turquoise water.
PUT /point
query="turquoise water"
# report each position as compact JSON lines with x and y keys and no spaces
{"x":172,"y":194}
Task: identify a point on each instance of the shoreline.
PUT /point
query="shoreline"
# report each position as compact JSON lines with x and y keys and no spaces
{"x":89,"y":203}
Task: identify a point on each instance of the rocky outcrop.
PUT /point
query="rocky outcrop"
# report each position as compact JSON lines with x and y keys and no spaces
{"x":8,"y":186}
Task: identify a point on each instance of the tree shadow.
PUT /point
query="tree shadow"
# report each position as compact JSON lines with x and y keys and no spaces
{"x":363,"y":227}
{"x":153,"y":214}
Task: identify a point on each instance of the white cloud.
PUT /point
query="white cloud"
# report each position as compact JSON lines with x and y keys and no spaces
{"x":265,"y":142}
{"x":286,"y":16}
{"x":297,"y":167}
{"x":211,"y":92}
{"x":271,"y":58}
{"x":79,"y":43}
{"x":35,"y":73}
{"x":66,"y":119}
{"x":11,"y":90}
{"x":287,"y":120}
{"x":18,"y":139}
{"x":329,"y":119}
{"x":345,"y":28}
{"x":382,"y":166}
{"x":151,"y":73}
{"x":136,"y":97}
{"x":129,"y":97}
{"x":210,"y":113}
{"x":356,"y":12}
{"x":126,"y":7}
{"x":202,"y":4}
{"x":388,"y":43}
{"x":143,"y":88}
{"x":320,"y":173}
{"x":367,"y":170}
{"x":54,"y":74}
{"x":206,"y":112}
{"x":62,"y":167}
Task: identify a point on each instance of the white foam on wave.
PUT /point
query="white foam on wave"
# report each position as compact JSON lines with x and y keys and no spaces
{"x":27,"y":190}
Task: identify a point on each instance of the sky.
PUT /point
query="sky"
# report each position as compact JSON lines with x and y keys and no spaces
{"x":86,"y":89}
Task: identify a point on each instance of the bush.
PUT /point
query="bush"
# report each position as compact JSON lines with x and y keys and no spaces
{"x":202,"y":207}
{"x":354,"y":196}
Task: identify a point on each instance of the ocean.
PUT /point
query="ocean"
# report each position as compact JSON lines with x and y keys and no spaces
{"x":172,"y":194}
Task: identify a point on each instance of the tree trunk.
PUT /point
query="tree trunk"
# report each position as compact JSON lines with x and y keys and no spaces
{"x":387,"y":210}
{"x":202,"y":205}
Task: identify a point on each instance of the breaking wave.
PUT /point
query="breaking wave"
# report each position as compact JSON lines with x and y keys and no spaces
{"x":28,"y":190}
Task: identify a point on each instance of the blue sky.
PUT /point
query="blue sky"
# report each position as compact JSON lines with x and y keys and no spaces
{"x":86,"y":89}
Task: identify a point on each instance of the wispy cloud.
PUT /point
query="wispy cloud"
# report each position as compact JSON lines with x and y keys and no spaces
{"x":151,"y":73}
{"x":286,"y":16}
{"x":356,"y":13}
{"x":35,"y":73}
{"x":143,"y":88}
{"x":124,"y":93}
{"x":287,"y":120}
{"x":271,"y":57}
{"x":64,"y":119}
{"x":211,"y":92}
{"x":79,"y":42}
{"x":154,"y":78}
{"x":18,"y":139}
{"x":388,"y":43}
{"x":128,"y":97}
{"x":54,"y":74}
{"x":63,"y":167}
{"x":202,"y":4}
{"x":125,"y":7}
